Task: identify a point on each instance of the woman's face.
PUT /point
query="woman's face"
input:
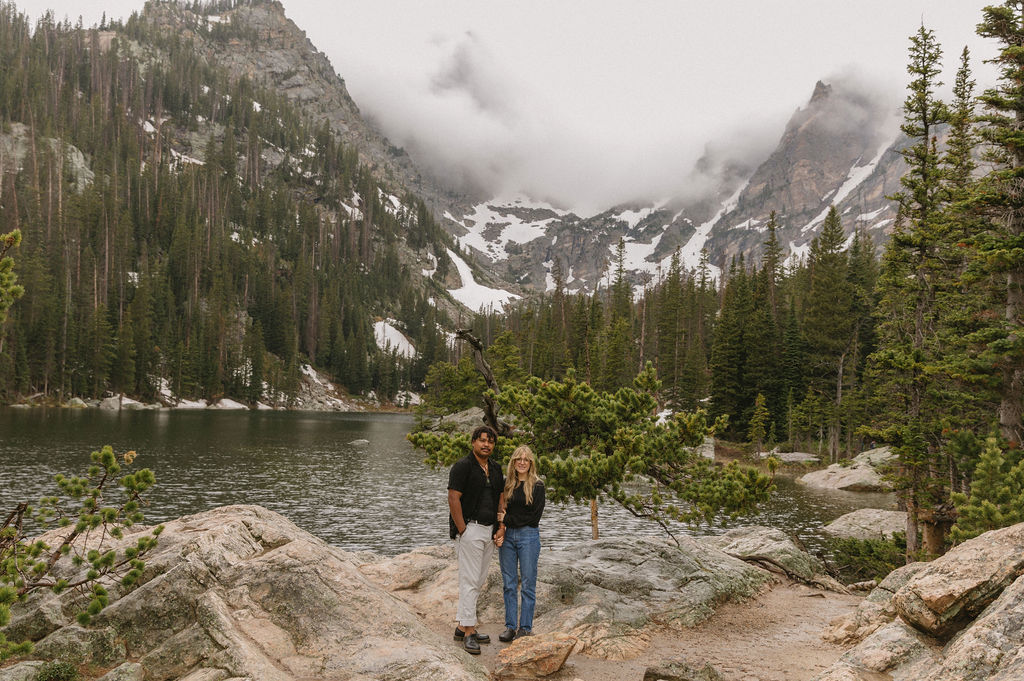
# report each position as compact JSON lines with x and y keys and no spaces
{"x":522,"y":465}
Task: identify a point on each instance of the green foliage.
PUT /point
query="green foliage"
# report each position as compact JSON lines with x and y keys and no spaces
{"x":89,"y":509}
{"x":757,"y":423}
{"x":999,"y":246}
{"x":863,"y":559}
{"x":594,"y":443}
{"x":9,"y":288}
{"x":58,"y":671}
{"x":996,"y":498}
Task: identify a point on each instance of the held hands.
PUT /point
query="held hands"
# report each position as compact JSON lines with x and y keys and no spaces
{"x":499,"y":537}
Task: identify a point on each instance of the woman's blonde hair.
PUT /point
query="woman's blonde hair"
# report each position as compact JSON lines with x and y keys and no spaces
{"x":512,"y":478}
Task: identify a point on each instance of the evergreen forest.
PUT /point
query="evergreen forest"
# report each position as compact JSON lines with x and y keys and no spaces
{"x":216,"y":273}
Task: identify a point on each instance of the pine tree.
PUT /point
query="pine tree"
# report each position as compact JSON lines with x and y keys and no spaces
{"x":911,"y":317}
{"x":997,"y":494}
{"x":758,"y":423}
{"x":9,"y":289}
{"x":830,"y":327}
{"x":1000,"y":252}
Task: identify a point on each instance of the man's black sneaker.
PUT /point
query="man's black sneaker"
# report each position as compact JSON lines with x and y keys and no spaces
{"x":471,"y":645}
{"x":507,"y":635}
{"x":524,"y":632}
{"x":480,"y":638}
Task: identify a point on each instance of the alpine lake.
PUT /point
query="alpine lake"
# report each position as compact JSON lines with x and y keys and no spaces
{"x":351,"y":479}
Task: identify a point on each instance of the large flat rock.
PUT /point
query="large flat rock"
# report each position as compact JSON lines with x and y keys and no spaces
{"x":241,"y":592}
{"x":860,"y":474}
{"x":868,"y":523}
{"x":609,"y":594}
{"x":958,"y":618}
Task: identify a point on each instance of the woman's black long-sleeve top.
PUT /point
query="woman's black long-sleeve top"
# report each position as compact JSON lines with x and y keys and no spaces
{"x":518,"y":513}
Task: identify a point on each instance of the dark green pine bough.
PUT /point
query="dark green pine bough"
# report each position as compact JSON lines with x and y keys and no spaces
{"x":592,"y":443}
{"x":81,"y":538}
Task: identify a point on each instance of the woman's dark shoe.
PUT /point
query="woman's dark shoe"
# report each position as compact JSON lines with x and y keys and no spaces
{"x":471,"y":645}
{"x":524,"y":632}
{"x":507,"y":635}
{"x":480,"y":638}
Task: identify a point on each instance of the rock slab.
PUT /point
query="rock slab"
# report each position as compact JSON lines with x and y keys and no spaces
{"x":241,"y":592}
{"x":958,"y":618}
{"x":860,"y":474}
{"x":868,"y":523}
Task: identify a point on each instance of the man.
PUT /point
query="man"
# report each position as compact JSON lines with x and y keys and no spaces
{"x":476,"y":492}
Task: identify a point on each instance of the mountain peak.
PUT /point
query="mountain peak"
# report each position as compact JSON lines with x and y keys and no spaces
{"x":821,"y":92}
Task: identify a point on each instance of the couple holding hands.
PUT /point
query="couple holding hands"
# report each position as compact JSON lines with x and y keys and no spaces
{"x":488,"y":508}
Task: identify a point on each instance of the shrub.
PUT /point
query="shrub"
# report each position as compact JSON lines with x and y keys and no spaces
{"x":859,"y":560}
{"x":58,"y":671}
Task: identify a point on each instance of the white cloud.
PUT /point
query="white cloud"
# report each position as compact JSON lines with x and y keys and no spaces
{"x":586,"y":103}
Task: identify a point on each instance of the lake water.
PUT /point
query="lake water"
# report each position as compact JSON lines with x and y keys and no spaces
{"x":311,"y":468}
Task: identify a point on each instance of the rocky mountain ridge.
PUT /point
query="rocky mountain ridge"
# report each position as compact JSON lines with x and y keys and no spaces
{"x":842,"y":147}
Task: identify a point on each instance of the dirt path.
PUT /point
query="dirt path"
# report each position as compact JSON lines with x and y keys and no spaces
{"x":775,"y":637}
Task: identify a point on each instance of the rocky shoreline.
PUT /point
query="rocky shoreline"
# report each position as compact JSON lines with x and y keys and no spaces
{"x":240,"y":592}
{"x":315,"y":393}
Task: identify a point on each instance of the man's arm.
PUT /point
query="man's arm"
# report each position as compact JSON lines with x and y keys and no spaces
{"x":500,"y":534}
{"x":455,"y":508}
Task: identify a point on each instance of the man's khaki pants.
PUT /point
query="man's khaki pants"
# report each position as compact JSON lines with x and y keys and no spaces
{"x":474,"y":549}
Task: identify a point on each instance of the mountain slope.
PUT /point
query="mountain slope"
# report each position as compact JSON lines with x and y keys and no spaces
{"x":841,"y":148}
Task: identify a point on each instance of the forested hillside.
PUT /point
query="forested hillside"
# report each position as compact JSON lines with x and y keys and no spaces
{"x":185,"y":226}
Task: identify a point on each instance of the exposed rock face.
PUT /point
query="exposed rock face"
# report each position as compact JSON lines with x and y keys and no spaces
{"x":464,"y":421}
{"x":747,"y":542}
{"x":958,"y":618}
{"x":271,"y":49}
{"x":839,"y":135}
{"x":944,"y":597}
{"x":608,"y":594}
{"x":861,"y":474}
{"x":868,"y":523}
{"x":874,"y":611}
{"x":241,"y":592}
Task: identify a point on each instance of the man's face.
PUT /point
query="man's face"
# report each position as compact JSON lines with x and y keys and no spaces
{"x":483,"y":445}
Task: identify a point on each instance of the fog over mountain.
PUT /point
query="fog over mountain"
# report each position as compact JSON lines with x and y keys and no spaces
{"x":590,"y":104}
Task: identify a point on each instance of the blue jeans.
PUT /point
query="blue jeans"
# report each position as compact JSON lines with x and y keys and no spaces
{"x":518,"y":554}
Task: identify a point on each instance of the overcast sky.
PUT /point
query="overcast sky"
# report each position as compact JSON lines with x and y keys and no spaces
{"x":592,"y":102}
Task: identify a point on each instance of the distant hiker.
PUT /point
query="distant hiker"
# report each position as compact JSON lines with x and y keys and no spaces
{"x":519,"y":548}
{"x":475,"y":496}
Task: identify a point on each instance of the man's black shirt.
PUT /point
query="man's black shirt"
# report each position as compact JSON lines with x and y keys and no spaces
{"x":480,"y":492}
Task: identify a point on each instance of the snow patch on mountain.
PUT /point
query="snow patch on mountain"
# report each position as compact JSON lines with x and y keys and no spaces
{"x":689,"y":255}
{"x":633,"y":217}
{"x":797,"y":253}
{"x":476,"y":296}
{"x":389,"y":338}
{"x":433,"y":266}
{"x":857,"y":174}
{"x":865,"y":217}
{"x":504,"y":215}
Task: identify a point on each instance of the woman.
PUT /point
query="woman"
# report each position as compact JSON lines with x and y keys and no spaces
{"x":519,"y":544}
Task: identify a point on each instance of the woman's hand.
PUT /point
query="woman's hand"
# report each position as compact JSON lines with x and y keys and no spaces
{"x":499,"y":538}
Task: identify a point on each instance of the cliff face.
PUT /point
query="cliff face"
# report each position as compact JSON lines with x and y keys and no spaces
{"x":840,"y":149}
